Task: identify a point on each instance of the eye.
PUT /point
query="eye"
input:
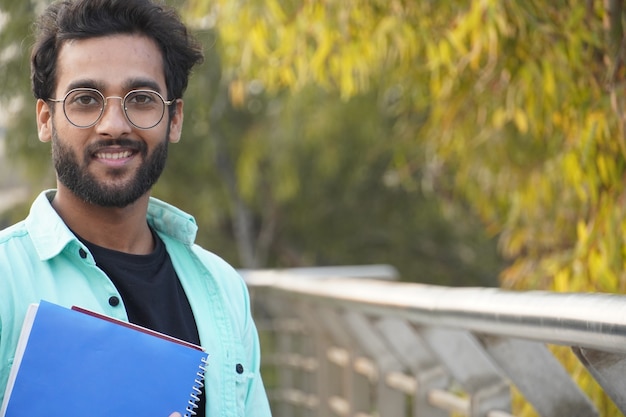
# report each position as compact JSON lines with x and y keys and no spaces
{"x":84,"y":99}
{"x":142,"y":99}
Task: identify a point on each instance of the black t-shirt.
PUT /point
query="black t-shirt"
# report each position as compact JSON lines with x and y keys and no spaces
{"x":151,"y":291}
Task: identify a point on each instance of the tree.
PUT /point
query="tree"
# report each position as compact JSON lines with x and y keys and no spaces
{"x":516,"y":99}
{"x":305,"y":179}
{"x":282,"y":182}
{"x":16,"y":103}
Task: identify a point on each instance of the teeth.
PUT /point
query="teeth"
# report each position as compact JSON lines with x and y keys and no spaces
{"x":116,"y":155}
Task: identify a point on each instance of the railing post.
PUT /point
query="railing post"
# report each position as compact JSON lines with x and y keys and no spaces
{"x":348,"y":398}
{"x":609,"y":370}
{"x":413,"y":352}
{"x":328,"y":379}
{"x":387,"y":401}
{"x":539,"y":377}
{"x":467,"y":361}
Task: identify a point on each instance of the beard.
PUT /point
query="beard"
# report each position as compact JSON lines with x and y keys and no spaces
{"x":82,"y":183}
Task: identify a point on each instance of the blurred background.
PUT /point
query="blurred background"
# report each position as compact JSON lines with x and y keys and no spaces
{"x":463,"y":142}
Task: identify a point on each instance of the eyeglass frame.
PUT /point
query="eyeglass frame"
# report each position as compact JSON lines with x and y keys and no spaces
{"x":166,"y":104}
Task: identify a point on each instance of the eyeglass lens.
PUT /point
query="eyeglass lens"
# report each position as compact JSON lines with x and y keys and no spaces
{"x":143,"y":108}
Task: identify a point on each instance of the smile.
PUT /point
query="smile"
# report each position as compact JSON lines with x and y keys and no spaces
{"x":114,"y":155}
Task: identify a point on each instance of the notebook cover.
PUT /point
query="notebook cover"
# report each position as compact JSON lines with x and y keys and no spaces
{"x":77,"y":364}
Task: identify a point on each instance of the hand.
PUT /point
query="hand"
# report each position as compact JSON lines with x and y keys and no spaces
{"x":177,"y":414}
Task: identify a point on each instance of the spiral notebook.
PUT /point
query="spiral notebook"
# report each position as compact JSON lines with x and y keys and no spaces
{"x":72,"y":362}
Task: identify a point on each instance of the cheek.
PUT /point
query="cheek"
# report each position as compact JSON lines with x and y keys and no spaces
{"x":58,"y":126}
{"x":157,"y":137}
{"x":67,"y":140}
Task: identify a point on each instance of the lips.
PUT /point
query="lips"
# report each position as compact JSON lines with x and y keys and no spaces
{"x":116,"y":150}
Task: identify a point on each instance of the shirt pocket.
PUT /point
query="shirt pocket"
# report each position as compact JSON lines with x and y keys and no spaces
{"x":243,"y":383}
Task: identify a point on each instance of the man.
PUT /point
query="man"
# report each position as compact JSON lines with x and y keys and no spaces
{"x":109,"y":76}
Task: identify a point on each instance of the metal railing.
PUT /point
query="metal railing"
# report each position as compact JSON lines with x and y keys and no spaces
{"x":336,"y":344}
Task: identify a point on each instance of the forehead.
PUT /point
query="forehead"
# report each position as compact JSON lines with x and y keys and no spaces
{"x":112,"y":64}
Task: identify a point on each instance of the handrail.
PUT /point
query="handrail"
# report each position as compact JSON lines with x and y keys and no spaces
{"x":420,"y":340}
{"x":594,"y":320}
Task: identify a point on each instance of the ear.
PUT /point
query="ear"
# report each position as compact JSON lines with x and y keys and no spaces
{"x":44,"y":121}
{"x":176,"y":122}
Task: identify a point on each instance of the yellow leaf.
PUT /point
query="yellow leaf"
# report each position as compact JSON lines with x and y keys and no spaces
{"x":561,"y":281}
{"x":521,"y":121}
{"x":499,"y":118}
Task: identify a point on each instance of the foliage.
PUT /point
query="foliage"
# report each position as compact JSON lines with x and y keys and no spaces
{"x":317,"y":173}
{"x":22,"y":145}
{"x":517,"y":105}
{"x":300,"y":179}
{"x":305,"y":179}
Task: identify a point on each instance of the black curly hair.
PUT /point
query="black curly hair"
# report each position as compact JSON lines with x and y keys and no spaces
{"x":82,"y":19}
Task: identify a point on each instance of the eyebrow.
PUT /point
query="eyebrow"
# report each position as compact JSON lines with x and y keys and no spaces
{"x":85,"y":83}
{"x":147,"y":83}
{"x":131,"y":84}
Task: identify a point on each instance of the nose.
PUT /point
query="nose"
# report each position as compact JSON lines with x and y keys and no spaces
{"x":113,"y":121}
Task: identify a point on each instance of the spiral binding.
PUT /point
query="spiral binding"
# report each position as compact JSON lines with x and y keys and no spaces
{"x":197,"y":390}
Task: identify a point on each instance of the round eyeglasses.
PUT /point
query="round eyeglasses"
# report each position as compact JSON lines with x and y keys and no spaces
{"x":84,"y":107}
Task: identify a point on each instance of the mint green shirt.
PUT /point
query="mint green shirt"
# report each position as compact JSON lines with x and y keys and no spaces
{"x":40,"y":258}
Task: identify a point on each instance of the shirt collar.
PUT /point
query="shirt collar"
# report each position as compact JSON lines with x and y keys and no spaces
{"x":51,"y":235}
{"x":171,"y":221}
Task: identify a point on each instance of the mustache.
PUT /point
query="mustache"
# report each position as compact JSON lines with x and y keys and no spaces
{"x":134,"y":145}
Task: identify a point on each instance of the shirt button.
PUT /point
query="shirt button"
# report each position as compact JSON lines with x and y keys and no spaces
{"x":82,"y":253}
{"x":114,"y":301}
{"x":239,"y":368}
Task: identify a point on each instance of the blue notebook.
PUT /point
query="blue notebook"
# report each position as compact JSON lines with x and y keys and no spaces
{"x":72,"y":362}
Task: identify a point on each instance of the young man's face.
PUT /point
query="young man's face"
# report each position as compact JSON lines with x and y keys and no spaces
{"x":113,"y":162}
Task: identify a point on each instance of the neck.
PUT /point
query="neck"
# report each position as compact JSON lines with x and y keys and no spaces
{"x":122,"y":229}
